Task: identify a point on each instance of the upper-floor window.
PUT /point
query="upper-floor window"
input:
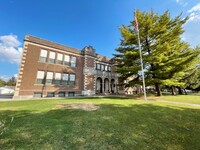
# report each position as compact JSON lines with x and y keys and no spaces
{"x":66,"y":60}
{"x":98,"y":66}
{"x":49,"y":78}
{"x":102,"y":67}
{"x":40,"y":77}
{"x":73,"y":61}
{"x":57,"y":79}
{"x":52,"y":56}
{"x":43,"y":55}
{"x":59,"y":58}
{"x":109,"y":68}
{"x":72,"y":79}
{"x":106,"y":68}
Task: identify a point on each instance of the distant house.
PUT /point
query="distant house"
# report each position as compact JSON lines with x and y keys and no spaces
{"x":7,"y":90}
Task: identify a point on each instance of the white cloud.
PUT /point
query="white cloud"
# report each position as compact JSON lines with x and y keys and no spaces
{"x":192,"y":33}
{"x":10,"y":50}
{"x":196,"y":8}
{"x":194,"y":13}
{"x":6,"y":77}
{"x":182,"y":3}
{"x":194,"y":17}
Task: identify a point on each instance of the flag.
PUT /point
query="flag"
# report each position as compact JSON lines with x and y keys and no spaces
{"x":136,"y":24}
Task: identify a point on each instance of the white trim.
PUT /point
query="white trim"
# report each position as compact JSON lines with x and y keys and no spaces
{"x":56,"y":50}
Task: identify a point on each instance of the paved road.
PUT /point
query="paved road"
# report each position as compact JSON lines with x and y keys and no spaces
{"x":5,"y":97}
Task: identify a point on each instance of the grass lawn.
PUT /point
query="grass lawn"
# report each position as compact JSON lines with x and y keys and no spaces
{"x":193,"y":99}
{"x":117,"y":124}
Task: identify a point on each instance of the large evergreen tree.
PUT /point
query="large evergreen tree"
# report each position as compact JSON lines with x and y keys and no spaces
{"x":192,"y":79}
{"x":165,"y":56}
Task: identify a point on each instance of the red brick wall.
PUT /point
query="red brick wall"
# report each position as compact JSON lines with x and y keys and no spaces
{"x":32,"y":65}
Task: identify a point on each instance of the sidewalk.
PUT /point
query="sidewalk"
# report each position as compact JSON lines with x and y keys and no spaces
{"x":188,"y":104}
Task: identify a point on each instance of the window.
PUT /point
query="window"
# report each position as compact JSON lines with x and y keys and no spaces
{"x":59,"y":58}
{"x":109,"y":68}
{"x":50,"y":94}
{"x":98,"y":67}
{"x":102,"y":67}
{"x":66,"y":60}
{"x":106,"y":68}
{"x":57,"y":79}
{"x":49,"y":78}
{"x":52,"y":57}
{"x":65,"y":79}
{"x":43,"y":55}
{"x":40,"y":77}
{"x":71,"y":94}
{"x":73,"y":61}
{"x":61,"y":94}
{"x":37,"y":94}
{"x":72,"y":79}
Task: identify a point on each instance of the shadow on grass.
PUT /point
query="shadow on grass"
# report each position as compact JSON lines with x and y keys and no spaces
{"x":111,"y":127}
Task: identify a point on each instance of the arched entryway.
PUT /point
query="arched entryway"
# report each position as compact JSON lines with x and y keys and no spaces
{"x":106,"y":85}
{"x":112,"y":86}
{"x":99,"y":87}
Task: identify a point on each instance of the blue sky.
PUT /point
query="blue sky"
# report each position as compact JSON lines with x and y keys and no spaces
{"x":78,"y":23}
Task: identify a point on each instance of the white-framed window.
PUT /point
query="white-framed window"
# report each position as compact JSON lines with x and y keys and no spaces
{"x":72,"y":79}
{"x":61,"y":94}
{"x":71,"y":94}
{"x":109,"y":68}
{"x":43,"y":55}
{"x":40,"y":77}
{"x":106,"y":68}
{"x":66,"y":60}
{"x":98,"y":67}
{"x":49,"y":78}
{"x":37,"y":94}
{"x":65,"y":79}
{"x":102,"y":67}
{"x":73,"y":61}
{"x":52,"y":56}
{"x":57,"y":79}
{"x":50,"y":94}
{"x":59,"y":58}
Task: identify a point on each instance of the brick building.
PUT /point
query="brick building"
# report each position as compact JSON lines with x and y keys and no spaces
{"x":49,"y":69}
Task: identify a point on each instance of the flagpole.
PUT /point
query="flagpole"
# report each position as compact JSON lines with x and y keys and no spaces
{"x":141,"y":61}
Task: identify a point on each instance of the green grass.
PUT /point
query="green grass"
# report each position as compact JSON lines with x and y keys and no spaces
{"x":193,"y":99}
{"x":118,"y":124}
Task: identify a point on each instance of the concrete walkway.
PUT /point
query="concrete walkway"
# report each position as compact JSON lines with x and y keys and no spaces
{"x":182,"y":103}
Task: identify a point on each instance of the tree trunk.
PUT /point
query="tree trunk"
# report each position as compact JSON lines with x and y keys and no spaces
{"x":180,"y":91}
{"x":185,"y":92}
{"x":157,"y":86}
{"x":173,"y":90}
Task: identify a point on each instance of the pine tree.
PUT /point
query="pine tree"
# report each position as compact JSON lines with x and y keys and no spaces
{"x":165,"y":56}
